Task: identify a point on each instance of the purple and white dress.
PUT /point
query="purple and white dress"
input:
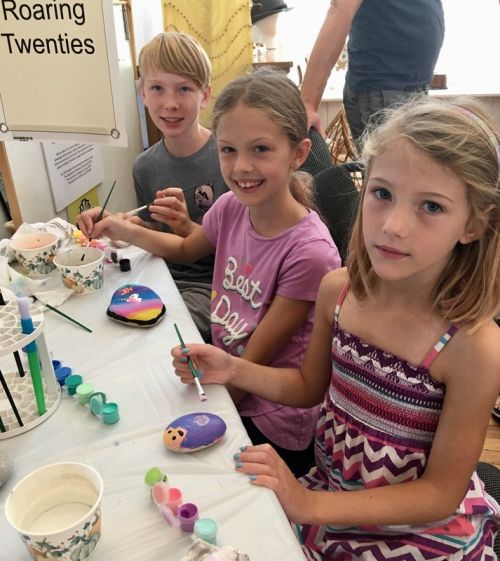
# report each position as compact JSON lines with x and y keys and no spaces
{"x":376,"y":428}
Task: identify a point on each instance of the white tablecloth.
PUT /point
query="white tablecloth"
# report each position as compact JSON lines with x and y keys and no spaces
{"x":133,"y":367}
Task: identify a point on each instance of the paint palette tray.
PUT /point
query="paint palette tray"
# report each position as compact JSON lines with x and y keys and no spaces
{"x":20,"y":388}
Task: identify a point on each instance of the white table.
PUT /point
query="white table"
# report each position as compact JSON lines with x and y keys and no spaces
{"x":133,"y":367}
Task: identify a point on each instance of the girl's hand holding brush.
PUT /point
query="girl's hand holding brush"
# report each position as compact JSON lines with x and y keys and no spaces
{"x":86,"y":222}
{"x":216,"y":366}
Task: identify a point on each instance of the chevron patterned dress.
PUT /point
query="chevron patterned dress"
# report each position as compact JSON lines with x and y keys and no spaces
{"x":376,"y":427}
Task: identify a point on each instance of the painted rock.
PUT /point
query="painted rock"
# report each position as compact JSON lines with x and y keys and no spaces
{"x":134,"y":304}
{"x":194,"y":431}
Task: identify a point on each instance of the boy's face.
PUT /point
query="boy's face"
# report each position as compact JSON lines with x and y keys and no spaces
{"x":173,"y":102}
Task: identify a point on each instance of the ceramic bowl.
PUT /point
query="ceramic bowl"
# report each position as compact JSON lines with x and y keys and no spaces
{"x":35,"y":252}
{"x":56,"y":511}
{"x":83,"y":276}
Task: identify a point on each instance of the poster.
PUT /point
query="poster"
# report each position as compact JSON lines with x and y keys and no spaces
{"x":59,"y":77}
{"x":73,"y":169}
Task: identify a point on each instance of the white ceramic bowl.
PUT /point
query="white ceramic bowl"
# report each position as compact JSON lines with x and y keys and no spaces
{"x":83,"y":276}
{"x":56,"y":510}
{"x":35,"y":252}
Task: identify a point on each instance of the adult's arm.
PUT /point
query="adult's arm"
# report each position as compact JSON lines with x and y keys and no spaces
{"x":326,"y":51}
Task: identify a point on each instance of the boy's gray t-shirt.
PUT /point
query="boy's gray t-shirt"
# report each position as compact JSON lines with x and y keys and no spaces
{"x":198,"y":175}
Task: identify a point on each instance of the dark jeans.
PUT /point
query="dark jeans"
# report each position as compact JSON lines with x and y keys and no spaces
{"x":361,"y":107}
{"x":299,"y":461}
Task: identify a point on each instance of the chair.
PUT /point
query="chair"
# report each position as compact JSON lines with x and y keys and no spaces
{"x":337,"y":201}
{"x":319,"y":157}
{"x":335,"y":193}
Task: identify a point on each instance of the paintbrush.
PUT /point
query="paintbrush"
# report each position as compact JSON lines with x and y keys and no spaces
{"x":21,"y":288}
{"x":145,"y":207}
{"x":100,"y":215}
{"x":201,"y":393}
{"x":62,"y":314}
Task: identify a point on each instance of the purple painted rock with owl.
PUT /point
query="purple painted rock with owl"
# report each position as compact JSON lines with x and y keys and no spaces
{"x":194,"y":431}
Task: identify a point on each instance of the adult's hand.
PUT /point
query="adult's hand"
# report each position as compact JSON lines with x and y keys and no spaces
{"x":313,"y":120}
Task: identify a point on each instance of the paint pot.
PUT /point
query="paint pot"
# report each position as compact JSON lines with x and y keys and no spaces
{"x":124,"y":265}
{"x":83,"y":393}
{"x":206,"y":529}
{"x":187,"y":514}
{"x":72,"y":382}
{"x":155,"y":475}
{"x":62,"y":374}
{"x":56,"y":509}
{"x":56,"y":364}
{"x":81,"y":269}
{"x":110,"y":413}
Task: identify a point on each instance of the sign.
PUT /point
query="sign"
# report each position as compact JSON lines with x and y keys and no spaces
{"x":59,"y":72}
{"x":73,"y":169}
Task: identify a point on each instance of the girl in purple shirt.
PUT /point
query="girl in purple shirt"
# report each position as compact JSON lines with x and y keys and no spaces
{"x":271,"y":249}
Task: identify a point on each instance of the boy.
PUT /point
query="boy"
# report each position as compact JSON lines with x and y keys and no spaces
{"x":175,"y":86}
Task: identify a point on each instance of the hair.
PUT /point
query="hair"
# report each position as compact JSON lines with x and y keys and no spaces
{"x":459,"y":135}
{"x":176,"y":53}
{"x":279,"y":98}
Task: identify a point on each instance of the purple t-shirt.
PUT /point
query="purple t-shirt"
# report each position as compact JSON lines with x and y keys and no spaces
{"x":250,"y":270}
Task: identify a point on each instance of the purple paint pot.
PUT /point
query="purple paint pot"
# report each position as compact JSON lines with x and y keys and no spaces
{"x":188,"y":514}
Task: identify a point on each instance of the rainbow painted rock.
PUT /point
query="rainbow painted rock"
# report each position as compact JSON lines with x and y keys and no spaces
{"x":134,"y":304}
{"x":193,"y":432}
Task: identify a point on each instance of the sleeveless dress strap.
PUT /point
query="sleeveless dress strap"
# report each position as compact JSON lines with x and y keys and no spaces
{"x":439,"y":346}
{"x":340,"y":299}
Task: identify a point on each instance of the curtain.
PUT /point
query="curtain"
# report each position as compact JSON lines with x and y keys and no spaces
{"x":223,"y":28}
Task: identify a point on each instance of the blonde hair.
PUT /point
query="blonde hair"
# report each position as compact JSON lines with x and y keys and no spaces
{"x":279,"y":98}
{"x":459,"y":135}
{"x":176,"y":53}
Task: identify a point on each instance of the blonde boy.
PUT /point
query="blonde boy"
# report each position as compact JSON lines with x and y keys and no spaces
{"x":183,"y":167}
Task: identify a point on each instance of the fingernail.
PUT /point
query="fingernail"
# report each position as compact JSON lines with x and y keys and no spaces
{"x":183,"y":359}
{"x":252,"y":477}
{"x":239,"y":465}
{"x":236,"y":457}
{"x":199,"y":373}
{"x":184,"y":350}
{"x":243,"y":448}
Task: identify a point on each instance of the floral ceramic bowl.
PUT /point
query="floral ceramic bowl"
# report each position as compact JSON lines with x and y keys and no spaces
{"x":35,"y":252}
{"x":56,"y":510}
{"x":81,"y":269}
